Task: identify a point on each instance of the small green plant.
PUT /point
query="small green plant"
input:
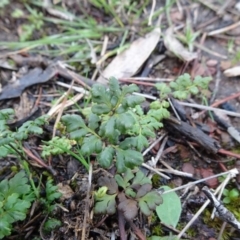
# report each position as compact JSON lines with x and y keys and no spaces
{"x":11,"y":141}
{"x":189,"y":37}
{"x":181,"y":88}
{"x":35,"y":22}
{"x":116,"y":127}
{"x":15,"y":200}
{"x":230,"y":195}
{"x":126,"y":192}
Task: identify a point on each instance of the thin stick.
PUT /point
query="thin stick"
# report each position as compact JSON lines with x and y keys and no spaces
{"x":151,"y":13}
{"x":160,"y":151}
{"x":234,"y":114}
{"x":217,"y":103}
{"x":225,"y":29}
{"x":154,"y":170}
{"x":153,"y":144}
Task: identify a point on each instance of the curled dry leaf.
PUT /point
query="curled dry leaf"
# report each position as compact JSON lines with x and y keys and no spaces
{"x":127,"y":63}
{"x":232,"y":72}
{"x":175,"y":47}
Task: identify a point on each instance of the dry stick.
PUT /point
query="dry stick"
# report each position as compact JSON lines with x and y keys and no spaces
{"x":150,"y":79}
{"x":77,"y":89}
{"x":137,"y":82}
{"x":173,"y":171}
{"x":217,"y":103}
{"x":222,"y":230}
{"x":151,"y":13}
{"x":41,"y":162}
{"x":174,"y":110}
{"x":207,"y":23}
{"x":234,"y":114}
{"x":210,"y":51}
{"x":159,"y":153}
{"x":86,"y":214}
{"x":223,"y":212}
{"x":137,"y":231}
{"x":225,"y":29}
{"x":155,"y":170}
{"x":218,"y":80}
{"x":153,"y":144}
{"x":121,"y":223}
{"x":61,"y":110}
{"x":231,"y":173}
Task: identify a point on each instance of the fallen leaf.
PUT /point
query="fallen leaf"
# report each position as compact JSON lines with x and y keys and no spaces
{"x":175,"y":47}
{"x":66,"y":191}
{"x":232,"y":72}
{"x":35,"y":76}
{"x":127,"y":63}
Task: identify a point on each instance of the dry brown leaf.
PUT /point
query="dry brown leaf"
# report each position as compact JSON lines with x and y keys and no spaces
{"x":232,"y":72}
{"x":127,"y":63}
{"x":175,"y":47}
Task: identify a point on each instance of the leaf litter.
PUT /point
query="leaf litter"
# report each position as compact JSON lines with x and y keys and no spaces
{"x":134,"y":191}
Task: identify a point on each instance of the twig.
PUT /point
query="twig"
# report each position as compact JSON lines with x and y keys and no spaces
{"x":121,"y":223}
{"x":217,"y":103}
{"x":225,"y":29}
{"x":155,"y":170}
{"x":199,"y":181}
{"x":160,"y":151}
{"x":173,"y":171}
{"x":149,"y":79}
{"x":174,"y":110}
{"x":137,"y":231}
{"x":222,"y":212}
{"x":86,"y":210}
{"x":234,"y":114}
{"x":153,"y":144}
{"x":209,"y":51}
{"x":151,"y":13}
{"x":231,"y":173}
{"x":222,"y":230}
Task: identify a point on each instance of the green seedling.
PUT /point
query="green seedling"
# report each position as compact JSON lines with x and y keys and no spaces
{"x":16,"y":197}
{"x":128,"y":193}
{"x":230,"y":195}
{"x":189,"y":37}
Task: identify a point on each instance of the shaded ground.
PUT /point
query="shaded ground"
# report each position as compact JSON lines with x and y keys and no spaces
{"x":216,"y":52}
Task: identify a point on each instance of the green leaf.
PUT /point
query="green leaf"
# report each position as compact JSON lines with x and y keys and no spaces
{"x":110,"y":127}
{"x":202,"y":82}
{"x":181,"y":94}
{"x":170,"y":211}
{"x":56,"y":146}
{"x":141,"y":179}
{"x":141,"y":142}
{"x":164,"y":89}
{"x":114,"y":87}
{"x":93,"y":121}
{"x":124,"y":181}
{"x":124,"y":121}
{"x":73,"y":122}
{"x":105,"y":205}
{"x":133,"y":100}
{"x":105,"y":158}
{"x":91,"y":145}
{"x":51,"y":224}
{"x":130,"y":89}
{"x":149,"y":202}
{"x":193,"y":90}
{"x":101,"y":109}
{"x":128,"y":142}
{"x":78,"y":134}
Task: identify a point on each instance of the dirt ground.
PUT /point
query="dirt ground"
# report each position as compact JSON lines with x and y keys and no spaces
{"x":30,"y":87}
